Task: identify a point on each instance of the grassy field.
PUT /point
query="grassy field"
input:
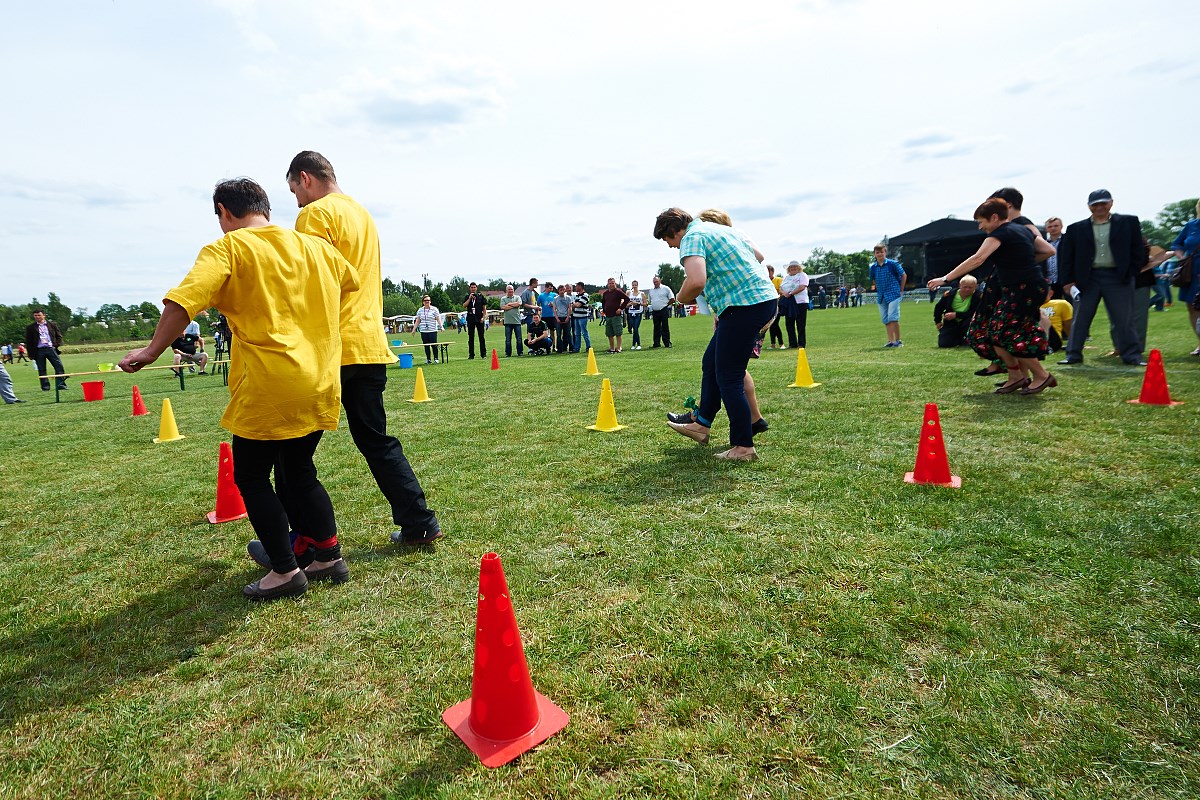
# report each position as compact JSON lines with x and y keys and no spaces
{"x":805,"y":626}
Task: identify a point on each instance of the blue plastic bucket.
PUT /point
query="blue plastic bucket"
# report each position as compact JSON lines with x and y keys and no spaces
{"x":406,"y":361}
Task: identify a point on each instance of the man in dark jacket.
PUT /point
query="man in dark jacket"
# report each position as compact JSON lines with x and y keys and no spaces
{"x":1102,"y":255}
{"x":953,"y":313}
{"x":43,"y":341}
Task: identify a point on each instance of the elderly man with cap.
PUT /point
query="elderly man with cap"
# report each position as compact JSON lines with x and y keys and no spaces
{"x":1102,"y":256}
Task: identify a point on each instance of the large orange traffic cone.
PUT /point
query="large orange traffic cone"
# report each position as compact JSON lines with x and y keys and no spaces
{"x":495,"y":359}
{"x":420,"y":395}
{"x":932,"y":466}
{"x":1154,"y":384}
{"x":505,"y":716}
{"x":168,"y":431}
{"x":229,"y":499}
{"x":591,"y":364}
{"x":139,"y":405}
{"x":804,"y":378}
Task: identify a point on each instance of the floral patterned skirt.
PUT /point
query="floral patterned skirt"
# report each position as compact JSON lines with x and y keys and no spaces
{"x":1015,"y":322}
{"x":977,"y":331}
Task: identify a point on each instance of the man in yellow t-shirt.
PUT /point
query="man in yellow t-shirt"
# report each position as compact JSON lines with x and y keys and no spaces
{"x":281,"y":293}
{"x":327,"y":213}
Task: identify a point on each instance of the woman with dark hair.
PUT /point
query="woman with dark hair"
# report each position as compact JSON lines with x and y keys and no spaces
{"x":1013,"y":331}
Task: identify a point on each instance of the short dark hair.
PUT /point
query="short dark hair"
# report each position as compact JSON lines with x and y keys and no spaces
{"x":992,"y":207}
{"x":241,"y":196}
{"x":1010,"y":196}
{"x":37,"y":311}
{"x":314,"y":164}
{"x":671,"y":222}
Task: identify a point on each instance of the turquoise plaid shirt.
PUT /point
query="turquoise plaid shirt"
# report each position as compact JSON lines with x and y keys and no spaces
{"x":887,"y":280}
{"x":735,"y":278}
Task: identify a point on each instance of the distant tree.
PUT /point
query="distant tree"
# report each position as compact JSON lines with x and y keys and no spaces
{"x":394,"y":304}
{"x":1169,"y":222}
{"x":111,"y":311}
{"x":458,"y":288}
{"x":859,"y":267}
{"x":672,"y":275}
{"x":440,"y":299}
{"x":823,"y":260}
{"x":495,"y":285}
{"x":58,"y":312}
{"x":149,"y":311}
{"x":389,"y":287}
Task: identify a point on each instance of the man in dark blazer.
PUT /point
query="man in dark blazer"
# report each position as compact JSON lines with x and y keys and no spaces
{"x":953,"y":313}
{"x":43,"y":341}
{"x":1101,"y":256}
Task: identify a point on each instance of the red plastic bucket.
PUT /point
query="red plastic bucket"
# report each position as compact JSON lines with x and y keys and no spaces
{"x":92,"y":390}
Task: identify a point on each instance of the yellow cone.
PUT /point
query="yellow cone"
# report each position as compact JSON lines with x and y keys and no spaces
{"x":803,"y":373}
{"x":167,"y":430}
{"x":606,"y":414}
{"x":419,"y":393}
{"x":591,"y":368}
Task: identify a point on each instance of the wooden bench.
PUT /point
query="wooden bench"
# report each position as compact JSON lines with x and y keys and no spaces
{"x":443,"y":348}
{"x":217,"y":366}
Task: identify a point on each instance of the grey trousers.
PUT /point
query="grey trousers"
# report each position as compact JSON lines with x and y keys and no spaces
{"x":1118,"y":302}
{"x":1141,"y":319}
{"x":6,"y":386}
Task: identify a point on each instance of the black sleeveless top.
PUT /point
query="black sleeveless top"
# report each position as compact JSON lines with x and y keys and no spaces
{"x":1013,"y":260}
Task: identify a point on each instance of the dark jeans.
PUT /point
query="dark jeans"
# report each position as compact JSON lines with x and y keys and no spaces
{"x":540,"y":346}
{"x":952,"y":333}
{"x":635,"y":323}
{"x":41,"y":356}
{"x":1118,"y":300}
{"x":512,"y":332}
{"x":362,"y":397}
{"x":427,"y":338}
{"x":564,"y":334}
{"x":473,"y":326}
{"x":662,"y":326}
{"x":552,"y":328}
{"x":724,"y":368}
{"x":797,"y":322}
{"x":300,"y":495}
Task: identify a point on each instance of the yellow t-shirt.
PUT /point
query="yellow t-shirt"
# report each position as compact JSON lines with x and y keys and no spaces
{"x":1059,"y":311}
{"x":778,"y":279}
{"x":348,"y":226}
{"x":281,"y":292}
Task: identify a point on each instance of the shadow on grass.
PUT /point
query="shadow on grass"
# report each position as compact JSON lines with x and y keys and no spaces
{"x":70,"y":661}
{"x":442,"y":765}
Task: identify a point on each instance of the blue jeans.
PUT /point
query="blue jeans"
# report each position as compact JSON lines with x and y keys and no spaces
{"x":724,"y":368}
{"x":581,"y":334}
{"x":635,"y":322}
{"x":509,"y":332}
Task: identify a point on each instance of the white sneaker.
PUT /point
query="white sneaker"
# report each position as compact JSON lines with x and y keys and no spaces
{"x":435,"y":361}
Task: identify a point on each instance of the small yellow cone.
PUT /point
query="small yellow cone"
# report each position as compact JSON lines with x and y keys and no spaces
{"x":591,"y":367}
{"x":803,"y":373}
{"x":167,"y":430}
{"x":606,"y":414}
{"x":419,"y":393}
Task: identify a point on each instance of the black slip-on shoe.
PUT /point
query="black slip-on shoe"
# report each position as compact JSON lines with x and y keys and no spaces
{"x":337,"y":572}
{"x":416,"y":538}
{"x":295,"y":587}
{"x":259,"y":553}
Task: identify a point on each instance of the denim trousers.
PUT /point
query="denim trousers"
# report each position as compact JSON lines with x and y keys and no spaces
{"x":43,"y":354}
{"x":581,"y":334}
{"x":510,"y":332}
{"x":635,"y":322}
{"x":724,"y":368}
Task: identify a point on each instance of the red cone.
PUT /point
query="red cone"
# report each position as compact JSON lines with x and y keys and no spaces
{"x":504,"y":716}
{"x":495,"y":359}
{"x":1154,"y":384}
{"x":229,"y":499}
{"x":932,"y":466}
{"x":139,"y":406}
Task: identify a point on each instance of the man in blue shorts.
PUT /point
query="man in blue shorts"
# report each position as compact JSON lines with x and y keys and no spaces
{"x":890,"y":279}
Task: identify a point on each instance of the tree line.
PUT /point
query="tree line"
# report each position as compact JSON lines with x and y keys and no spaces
{"x":111,"y":323}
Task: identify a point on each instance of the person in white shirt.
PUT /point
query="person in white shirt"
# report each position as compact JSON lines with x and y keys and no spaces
{"x":661,"y":299}
{"x":429,"y":322}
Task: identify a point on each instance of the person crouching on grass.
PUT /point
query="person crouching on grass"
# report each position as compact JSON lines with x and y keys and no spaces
{"x":281,"y":292}
{"x":1014,"y":331}
{"x":722,"y":264}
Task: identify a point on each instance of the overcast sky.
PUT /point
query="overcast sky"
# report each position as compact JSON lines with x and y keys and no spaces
{"x":540,"y":139}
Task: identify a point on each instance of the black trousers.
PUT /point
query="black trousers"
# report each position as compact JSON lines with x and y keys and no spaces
{"x":662,"y":326}
{"x":426,"y":338}
{"x":473,"y":326}
{"x":952,"y":333}
{"x":297,"y":494}
{"x":797,"y":322}
{"x":43,"y":354}
{"x":362,"y":397}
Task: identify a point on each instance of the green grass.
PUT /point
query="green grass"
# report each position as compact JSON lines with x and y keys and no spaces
{"x":805,"y":626}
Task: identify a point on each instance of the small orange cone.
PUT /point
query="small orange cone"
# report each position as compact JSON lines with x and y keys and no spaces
{"x":495,"y":359}
{"x":168,"y":431}
{"x":229,"y":499}
{"x":606,"y":414}
{"x":420,"y":395}
{"x":591,"y":364}
{"x":505,"y":716}
{"x":932,"y":466}
{"x":139,"y":406}
{"x":1154,"y":384}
